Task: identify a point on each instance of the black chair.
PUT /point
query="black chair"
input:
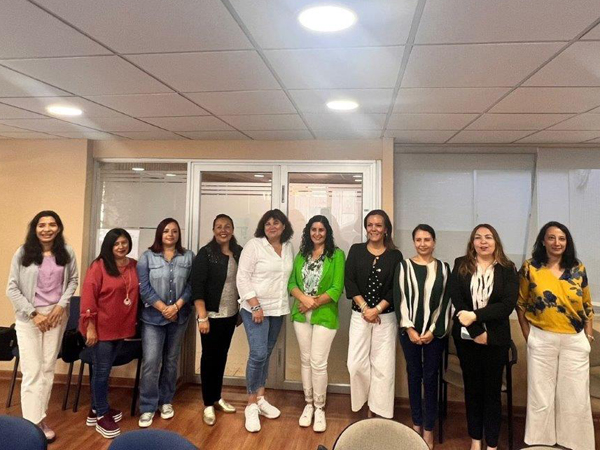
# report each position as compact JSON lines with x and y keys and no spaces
{"x":8,"y":352}
{"x":450,"y":374}
{"x":147,"y":439}
{"x":20,"y":434}
{"x":72,"y":344}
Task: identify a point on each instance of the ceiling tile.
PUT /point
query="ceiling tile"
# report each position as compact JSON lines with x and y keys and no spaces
{"x":131,"y":26}
{"x":27,"y":31}
{"x":578,"y":65}
{"x":487,"y":137}
{"x":419,"y":137}
{"x":97,"y":75}
{"x":13,"y":84}
{"x":10,"y":112}
{"x":39,"y":105}
{"x":369,"y":100}
{"x":43,"y":125}
{"x":28,"y":135}
{"x":345,"y":121}
{"x":579,"y":123}
{"x":462,"y":21}
{"x":214,"y":135}
{"x":9,"y":128}
{"x":339,"y":68}
{"x":276,"y":25}
{"x":429,"y":121}
{"x":112,"y":123}
{"x":446,"y":100}
{"x":93,"y":135}
{"x":244,"y":102}
{"x":150,"y":105}
{"x":271,"y":122}
{"x":347,"y":134}
{"x":199,"y":123}
{"x":150,"y":135}
{"x":516,"y":121}
{"x":559,"y":137}
{"x":212,"y":71}
{"x":549,"y":100}
{"x":594,"y":34}
{"x":284,"y":135}
{"x":492,"y":65}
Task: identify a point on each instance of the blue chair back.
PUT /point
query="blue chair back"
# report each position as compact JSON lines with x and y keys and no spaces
{"x":151,"y":439}
{"x":20,"y":434}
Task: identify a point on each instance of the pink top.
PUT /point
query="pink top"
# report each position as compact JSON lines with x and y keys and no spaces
{"x":49,"y":283}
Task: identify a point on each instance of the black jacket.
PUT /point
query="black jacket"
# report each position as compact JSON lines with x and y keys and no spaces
{"x":495,"y":315}
{"x":209,"y":272}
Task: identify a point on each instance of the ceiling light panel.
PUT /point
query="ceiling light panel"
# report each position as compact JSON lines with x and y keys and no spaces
{"x":327,"y":18}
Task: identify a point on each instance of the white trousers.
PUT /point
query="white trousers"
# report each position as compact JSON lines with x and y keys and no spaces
{"x":372,"y":363}
{"x":38,"y":352}
{"x":315,"y":343}
{"x":558,"y":390}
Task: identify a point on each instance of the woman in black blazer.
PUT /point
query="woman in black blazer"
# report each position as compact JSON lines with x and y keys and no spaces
{"x":484,"y":289}
{"x":216,"y":299}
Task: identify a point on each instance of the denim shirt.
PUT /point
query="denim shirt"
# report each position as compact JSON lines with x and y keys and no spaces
{"x":167,"y":281}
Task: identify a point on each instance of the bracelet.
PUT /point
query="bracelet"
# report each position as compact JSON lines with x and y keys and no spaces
{"x":199,"y":320}
{"x":255,"y":308}
{"x":591,"y":337}
{"x":378,"y":308}
{"x":363,"y":307}
{"x":176,"y":307}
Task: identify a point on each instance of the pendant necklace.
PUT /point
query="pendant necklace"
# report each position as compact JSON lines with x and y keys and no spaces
{"x":127,"y":301}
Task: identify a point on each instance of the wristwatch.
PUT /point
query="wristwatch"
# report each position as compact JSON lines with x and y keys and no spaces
{"x":33,"y":314}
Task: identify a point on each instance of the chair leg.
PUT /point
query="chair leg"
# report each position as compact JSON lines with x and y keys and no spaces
{"x":13,"y":381}
{"x":440,"y":406}
{"x":79,"y":381}
{"x":136,"y":387}
{"x":509,"y":404}
{"x":68,"y":387}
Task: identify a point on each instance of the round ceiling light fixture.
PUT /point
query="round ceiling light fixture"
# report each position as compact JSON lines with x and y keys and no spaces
{"x":327,"y":18}
{"x":342,"y":105}
{"x":60,"y":110}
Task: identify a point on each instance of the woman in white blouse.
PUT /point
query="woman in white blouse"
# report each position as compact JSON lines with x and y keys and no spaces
{"x":263,"y":273}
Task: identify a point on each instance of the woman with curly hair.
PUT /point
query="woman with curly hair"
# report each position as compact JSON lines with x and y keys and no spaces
{"x":555,"y":313}
{"x":316,"y":283}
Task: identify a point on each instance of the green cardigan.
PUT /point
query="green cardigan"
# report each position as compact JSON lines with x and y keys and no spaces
{"x":332,"y":283}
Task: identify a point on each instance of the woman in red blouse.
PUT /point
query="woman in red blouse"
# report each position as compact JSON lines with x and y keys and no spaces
{"x":109,"y":303}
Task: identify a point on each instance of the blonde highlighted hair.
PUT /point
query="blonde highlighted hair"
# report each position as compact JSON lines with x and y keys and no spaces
{"x":468,"y":265}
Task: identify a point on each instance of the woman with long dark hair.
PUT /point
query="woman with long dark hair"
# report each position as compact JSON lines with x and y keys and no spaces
{"x":555,"y":313}
{"x":216,"y":299}
{"x":369,"y":284}
{"x":422,"y":305}
{"x":316,"y":283}
{"x":165,"y":290}
{"x":484,"y":289}
{"x":109,"y":305}
{"x":43,"y":277}
{"x":262,"y":279}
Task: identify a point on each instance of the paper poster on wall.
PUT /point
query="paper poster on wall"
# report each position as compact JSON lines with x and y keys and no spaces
{"x":135,"y":241}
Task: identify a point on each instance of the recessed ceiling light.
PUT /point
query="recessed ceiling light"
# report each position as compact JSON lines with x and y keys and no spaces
{"x":259,"y":175}
{"x":358,"y":180}
{"x":170,"y":175}
{"x":342,"y":105}
{"x":138,"y":169}
{"x":357,"y":176}
{"x":327,"y":19}
{"x":59,"y":110}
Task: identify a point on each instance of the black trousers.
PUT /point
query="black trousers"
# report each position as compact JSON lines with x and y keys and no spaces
{"x":482,"y":367}
{"x":215,"y":345}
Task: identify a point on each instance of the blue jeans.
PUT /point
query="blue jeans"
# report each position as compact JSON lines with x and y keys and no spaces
{"x":161,"y":344}
{"x":262,"y":338}
{"x":103,"y":357}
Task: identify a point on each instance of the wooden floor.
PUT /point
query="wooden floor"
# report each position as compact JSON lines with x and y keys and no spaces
{"x":229,"y":432}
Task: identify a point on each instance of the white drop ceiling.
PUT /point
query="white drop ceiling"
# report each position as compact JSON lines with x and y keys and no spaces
{"x":423,"y":71}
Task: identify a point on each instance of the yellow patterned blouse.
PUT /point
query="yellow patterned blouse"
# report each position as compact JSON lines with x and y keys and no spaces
{"x":560,"y":305}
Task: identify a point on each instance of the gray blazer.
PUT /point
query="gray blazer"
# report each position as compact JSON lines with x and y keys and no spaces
{"x":22,"y":282}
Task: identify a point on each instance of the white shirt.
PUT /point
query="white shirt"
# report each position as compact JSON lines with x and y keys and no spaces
{"x":263,"y":274}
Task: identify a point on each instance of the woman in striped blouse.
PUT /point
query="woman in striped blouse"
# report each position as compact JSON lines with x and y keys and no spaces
{"x":422,"y":305}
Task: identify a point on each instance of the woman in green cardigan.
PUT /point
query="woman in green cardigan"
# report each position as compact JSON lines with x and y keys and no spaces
{"x":316,"y":282}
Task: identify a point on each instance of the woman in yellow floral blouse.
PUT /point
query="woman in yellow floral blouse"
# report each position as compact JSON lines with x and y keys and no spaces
{"x":555,"y":313}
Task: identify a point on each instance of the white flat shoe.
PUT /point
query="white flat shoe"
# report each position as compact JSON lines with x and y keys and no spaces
{"x":209,"y":416}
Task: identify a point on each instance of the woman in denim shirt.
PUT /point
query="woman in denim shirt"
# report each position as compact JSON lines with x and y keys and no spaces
{"x":164,"y":273}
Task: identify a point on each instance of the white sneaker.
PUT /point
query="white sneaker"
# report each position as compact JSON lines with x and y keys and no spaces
{"x":166,"y":411}
{"x":146,"y":419}
{"x":267,"y":410}
{"x":252,"y":412}
{"x":320,"y":424}
{"x":307,"y":415}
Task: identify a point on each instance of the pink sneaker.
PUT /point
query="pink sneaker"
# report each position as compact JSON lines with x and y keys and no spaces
{"x":48,"y":432}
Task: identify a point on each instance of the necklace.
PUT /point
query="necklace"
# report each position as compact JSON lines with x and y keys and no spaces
{"x":127,"y":283}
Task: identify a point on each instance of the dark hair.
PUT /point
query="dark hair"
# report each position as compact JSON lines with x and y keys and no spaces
{"x":307,"y":245}
{"x":232,"y":242}
{"x":277,"y":215}
{"x":424,"y":227}
{"x":387,"y":238}
{"x":157,"y":246}
{"x":468,"y":264}
{"x":539,"y":254}
{"x":106,"y":251}
{"x":32,"y":248}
